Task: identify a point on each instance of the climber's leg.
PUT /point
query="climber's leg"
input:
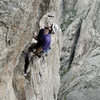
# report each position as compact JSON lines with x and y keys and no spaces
{"x":26,"y":65}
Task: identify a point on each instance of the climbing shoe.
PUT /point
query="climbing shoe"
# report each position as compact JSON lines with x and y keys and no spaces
{"x":25,"y":74}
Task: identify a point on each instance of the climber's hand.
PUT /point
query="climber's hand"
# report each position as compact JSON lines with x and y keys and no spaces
{"x":35,"y":36}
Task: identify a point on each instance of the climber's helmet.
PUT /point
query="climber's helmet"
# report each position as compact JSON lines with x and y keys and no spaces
{"x":52,"y":27}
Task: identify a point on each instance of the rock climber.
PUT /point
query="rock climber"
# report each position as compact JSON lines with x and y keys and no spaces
{"x":43,"y":39}
{"x":42,"y":45}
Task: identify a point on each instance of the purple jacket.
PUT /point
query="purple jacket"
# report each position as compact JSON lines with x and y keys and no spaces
{"x":44,"y":40}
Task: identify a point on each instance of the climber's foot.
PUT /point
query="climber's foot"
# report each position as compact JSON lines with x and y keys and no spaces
{"x":25,"y":74}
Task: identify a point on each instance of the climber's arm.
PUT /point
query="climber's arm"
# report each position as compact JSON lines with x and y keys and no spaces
{"x":38,"y":50}
{"x":35,"y":37}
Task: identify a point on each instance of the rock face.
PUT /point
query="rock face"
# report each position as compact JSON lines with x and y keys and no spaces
{"x":19,"y":19}
{"x":80,"y":64}
{"x":80,"y":72}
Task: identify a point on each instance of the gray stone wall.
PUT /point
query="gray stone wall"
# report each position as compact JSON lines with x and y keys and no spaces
{"x":19,"y":19}
{"x":80,"y":79}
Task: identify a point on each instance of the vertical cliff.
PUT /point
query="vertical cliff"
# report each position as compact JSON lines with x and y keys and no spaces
{"x":19,"y":19}
{"x":80,"y":64}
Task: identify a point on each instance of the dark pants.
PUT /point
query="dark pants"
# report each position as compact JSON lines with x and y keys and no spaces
{"x":30,"y":49}
{"x":26,"y":64}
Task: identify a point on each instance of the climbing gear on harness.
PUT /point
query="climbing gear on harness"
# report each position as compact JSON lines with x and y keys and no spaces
{"x":26,"y":54}
{"x":30,"y":56}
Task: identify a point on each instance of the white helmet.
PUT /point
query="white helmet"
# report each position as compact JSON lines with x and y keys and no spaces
{"x":54,"y":28}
